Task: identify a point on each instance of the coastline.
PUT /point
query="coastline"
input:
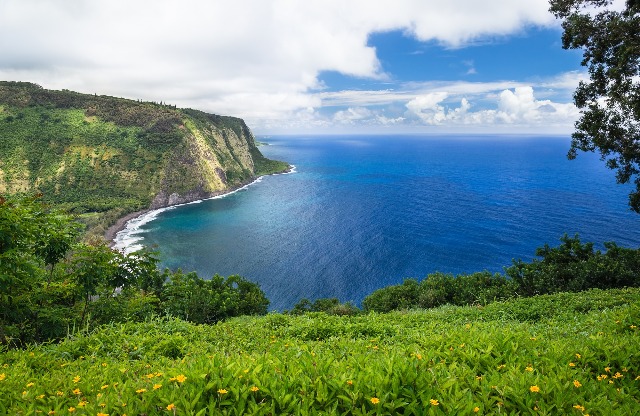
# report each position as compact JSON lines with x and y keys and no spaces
{"x":122,"y":223}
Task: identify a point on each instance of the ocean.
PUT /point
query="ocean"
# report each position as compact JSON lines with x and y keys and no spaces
{"x":362,"y":212}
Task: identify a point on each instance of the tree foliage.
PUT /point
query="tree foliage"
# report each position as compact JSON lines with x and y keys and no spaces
{"x":51,"y":283}
{"x":610,"y":100}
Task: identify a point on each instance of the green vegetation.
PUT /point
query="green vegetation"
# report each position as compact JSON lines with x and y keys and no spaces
{"x":552,"y":354}
{"x":88,"y":153}
{"x":50,"y":283}
{"x":570,"y":267}
{"x":609,"y":101}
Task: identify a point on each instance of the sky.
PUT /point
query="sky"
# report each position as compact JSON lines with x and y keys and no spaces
{"x":308,"y":66}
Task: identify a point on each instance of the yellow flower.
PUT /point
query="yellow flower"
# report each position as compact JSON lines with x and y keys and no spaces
{"x":71,"y":409}
{"x":103,"y":414}
{"x":419,"y":356}
{"x":617,"y":375}
{"x":3,"y":376}
{"x":578,"y":356}
{"x":632,"y":326}
{"x":254,"y":389}
{"x":607,"y":369}
{"x":141,"y":390}
{"x":180,"y":378}
{"x":103,"y":405}
{"x":105,"y":386}
{"x":51,"y":412}
{"x":350,"y":382}
{"x":222,"y":391}
{"x":577,"y":383}
{"x":157,"y":386}
{"x":99,"y":395}
{"x":171,"y":406}
{"x":529,"y":368}
{"x":572,"y":365}
{"x":76,"y":379}
{"x":534,"y":389}
{"x":434,"y":402}
{"x":59,"y":393}
{"x":375,"y":400}
{"x":41,"y":396}
{"x":77,"y":391}
{"x":581,"y":408}
{"x":24,"y":393}
{"x":30,"y":384}
{"x":82,"y":403}
{"x":476,"y":409}
{"x":501,"y":366}
{"x":104,"y":364}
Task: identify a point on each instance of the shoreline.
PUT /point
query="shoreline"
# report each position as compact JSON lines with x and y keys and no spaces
{"x":121,"y":223}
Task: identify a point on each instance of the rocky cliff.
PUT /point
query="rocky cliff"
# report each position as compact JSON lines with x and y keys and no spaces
{"x":90,"y":153}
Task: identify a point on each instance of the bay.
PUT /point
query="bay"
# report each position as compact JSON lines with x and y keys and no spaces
{"x":363,"y":212}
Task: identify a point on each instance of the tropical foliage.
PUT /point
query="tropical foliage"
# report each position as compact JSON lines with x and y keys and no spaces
{"x":572,"y":354}
{"x":51,"y":284}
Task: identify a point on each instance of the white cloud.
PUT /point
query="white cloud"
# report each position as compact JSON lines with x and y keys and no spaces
{"x":257,"y":59}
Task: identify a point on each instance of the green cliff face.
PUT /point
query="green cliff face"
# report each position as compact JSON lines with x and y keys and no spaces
{"x":91,"y":153}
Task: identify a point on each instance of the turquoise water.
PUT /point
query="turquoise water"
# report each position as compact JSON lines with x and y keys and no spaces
{"x":363,"y":212}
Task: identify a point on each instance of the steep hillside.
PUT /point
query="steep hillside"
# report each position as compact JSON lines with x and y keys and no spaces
{"x":92,"y":153}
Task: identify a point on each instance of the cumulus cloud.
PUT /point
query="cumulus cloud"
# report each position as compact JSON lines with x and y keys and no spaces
{"x":257,"y":59}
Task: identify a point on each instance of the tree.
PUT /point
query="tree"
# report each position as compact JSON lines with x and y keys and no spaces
{"x":610,"y":101}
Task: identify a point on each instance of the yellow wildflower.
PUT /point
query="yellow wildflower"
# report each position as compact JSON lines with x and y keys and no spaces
{"x":103,"y":405}
{"x":104,"y":364}
{"x":577,"y":383}
{"x":3,"y":376}
{"x":572,"y":364}
{"x":51,"y":412}
{"x":476,"y":409}
{"x":76,"y":379}
{"x":222,"y":391}
{"x":141,"y":390}
{"x":632,"y":326}
{"x":578,"y":356}
{"x":82,"y":403}
{"x":24,"y":392}
{"x":350,"y":382}
{"x":30,"y":384}
{"x":171,"y":406}
{"x":41,"y":396}
{"x":534,"y":389}
{"x":105,"y":386}
{"x":157,"y":386}
{"x":254,"y":389}
{"x":617,"y":375}
{"x":71,"y":409}
{"x":434,"y":402}
{"x":607,"y":369}
{"x":375,"y":400}
{"x":99,"y":395}
{"x":637,"y":378}
{"x":77,"y":391}
{"x":103,"y":414}
{"x":180,"y":378}
{"x":529,"y":368}
{"x":577,"y":406}
{"x":419,"y":356}
{"x":59,"y":393}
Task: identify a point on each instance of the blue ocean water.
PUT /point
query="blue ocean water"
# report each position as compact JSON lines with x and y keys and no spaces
{"x":364,"y":212}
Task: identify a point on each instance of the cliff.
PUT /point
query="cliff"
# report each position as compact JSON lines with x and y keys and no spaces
{"x":108,"y":155}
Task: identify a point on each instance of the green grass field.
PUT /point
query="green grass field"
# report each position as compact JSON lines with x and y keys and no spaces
{"x":557,"y":354}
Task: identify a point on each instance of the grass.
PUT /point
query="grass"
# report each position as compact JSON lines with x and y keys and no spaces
{"x":556,"y":354}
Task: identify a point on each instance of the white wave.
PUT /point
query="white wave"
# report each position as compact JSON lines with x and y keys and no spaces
{"x":128,"y":239}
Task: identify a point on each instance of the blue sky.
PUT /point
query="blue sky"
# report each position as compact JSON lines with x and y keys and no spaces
{"x":314,"y":66}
